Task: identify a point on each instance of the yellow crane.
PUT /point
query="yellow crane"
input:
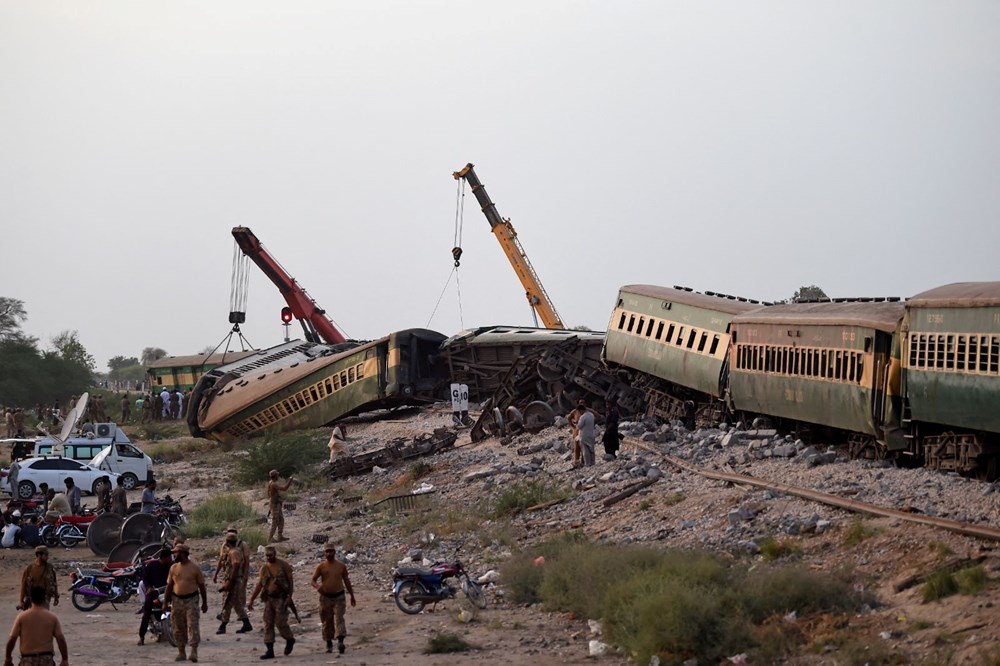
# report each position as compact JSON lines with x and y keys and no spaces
{"x":538,"y":299}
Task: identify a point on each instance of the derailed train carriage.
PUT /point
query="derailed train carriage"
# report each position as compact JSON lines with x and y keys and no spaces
{"x":308,"y":385}
{"x":919,"y":379}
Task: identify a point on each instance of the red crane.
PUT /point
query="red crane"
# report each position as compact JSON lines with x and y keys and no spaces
{"x":315,"y":324}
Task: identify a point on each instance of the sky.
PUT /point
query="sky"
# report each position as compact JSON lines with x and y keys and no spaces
{"x":748,"y":148}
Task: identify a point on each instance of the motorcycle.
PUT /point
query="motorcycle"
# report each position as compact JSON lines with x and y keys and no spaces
{"x":415,"y":587}
{"x":91,"y":588}
{"x":66,"y":531}
{"x":159,"y":619}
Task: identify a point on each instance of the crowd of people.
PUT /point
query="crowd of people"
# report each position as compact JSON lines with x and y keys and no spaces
{"x":185,"y":592}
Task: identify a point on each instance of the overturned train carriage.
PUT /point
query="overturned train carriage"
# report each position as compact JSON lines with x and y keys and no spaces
{"x":307,"y":385}
{"x":676,"y":341}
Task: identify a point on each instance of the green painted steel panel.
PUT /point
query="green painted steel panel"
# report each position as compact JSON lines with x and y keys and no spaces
{"x":833,"y":404}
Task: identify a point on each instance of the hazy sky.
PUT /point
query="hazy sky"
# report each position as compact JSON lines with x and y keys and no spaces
{"x":746,"y":147}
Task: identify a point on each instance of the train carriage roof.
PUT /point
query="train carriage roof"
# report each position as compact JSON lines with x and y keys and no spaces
{"x":959,"y":295}
{"x":882,"y":316}
{"x":199,"y":359}
{"x":717,"y":303}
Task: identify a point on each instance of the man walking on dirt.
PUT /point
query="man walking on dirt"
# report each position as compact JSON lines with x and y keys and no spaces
{"x":119,"y":498}
{"x":278,"y":586}
{"x":154,"y":576}
{"x":234,"y":563}
{"x":330,"y":580}
{"x":277,"y":506}
{"x":39,"y":575}
{"x":36,"y":628}
{"x":184,"y":582}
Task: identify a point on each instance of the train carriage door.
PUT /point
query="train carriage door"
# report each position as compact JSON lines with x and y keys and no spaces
{"x":382,"y":354}
{"x":879,"y":345}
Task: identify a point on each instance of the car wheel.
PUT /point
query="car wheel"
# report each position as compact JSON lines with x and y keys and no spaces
{"x":25,"y":489}
{"x":130,"y":481}
{"x":103,"y":481}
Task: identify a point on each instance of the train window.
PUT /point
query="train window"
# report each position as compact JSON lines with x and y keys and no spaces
{"x":795,"y":362}
{"x":839,"y":367}
{"x":670,"y":333}
{"x":631,"y":323}
{"x":659,"y":331}
{"x":336,"y":382}
{"x":960,"y":354}
{"x":350,"y":375}
{"x":361,"y":370}
{"x":621,"y":322}
{"x":691,"y":337}
{"x":861,"y":368}
{"x":984,"y":353}
{"x":680,"y":336}
{"x":642,"y":322}
{"x":329,"y":385}
{"x":823,"y":364}
{"x":343,"y":378}
{"x":942,"y":352}
{"x":715,"y":345}
{"x":868,"y":344}
{"x":313,"y":393}
{"x":649,"y":327}
{"x":994,"y":354}
{"x":973,"y":352}
{"x":702,"y":342}
{"x":949,"y":359}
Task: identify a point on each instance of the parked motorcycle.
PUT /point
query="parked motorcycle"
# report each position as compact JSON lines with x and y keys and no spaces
{"x":66,"y":531}
{"x":91,"y":588}
{"x":415,"y":587}
{"x":159,"y":620}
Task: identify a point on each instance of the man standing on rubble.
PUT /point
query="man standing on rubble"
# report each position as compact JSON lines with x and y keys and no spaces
{"x":277,"y":585}
{"x":276,"y":505}
{"x":585,"y":427}
{"x":234,"y":563}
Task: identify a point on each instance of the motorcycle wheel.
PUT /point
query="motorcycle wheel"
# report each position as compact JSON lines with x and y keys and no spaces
{"x":475,"y":594}
{"x":166,"y":631}
{"x":86,"y":602}
{"x":69,"y":536}
{"x":405,"y":588}
{"x":49,"y":536}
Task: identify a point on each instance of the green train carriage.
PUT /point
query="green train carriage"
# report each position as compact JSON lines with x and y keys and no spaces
{"x":827,"y":364}
{"x":951,"y":376}
{"x":679,"y":337}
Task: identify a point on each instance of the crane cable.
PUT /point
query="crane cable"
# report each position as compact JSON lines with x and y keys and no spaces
{"x":456,"y":253}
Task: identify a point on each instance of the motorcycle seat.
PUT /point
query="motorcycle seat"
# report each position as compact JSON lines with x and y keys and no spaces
{"x":415,"y":571}
{"x":77,"y":520}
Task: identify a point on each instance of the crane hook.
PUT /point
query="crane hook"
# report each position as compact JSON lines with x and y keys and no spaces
{"x":457,"y":253}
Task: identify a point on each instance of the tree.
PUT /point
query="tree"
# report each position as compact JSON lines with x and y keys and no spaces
{"x":12,"y":315}
{"x":119,"y":362}
{"x":70,"y":349}
{"x":150,"y":354}
{"x":810,"y":293}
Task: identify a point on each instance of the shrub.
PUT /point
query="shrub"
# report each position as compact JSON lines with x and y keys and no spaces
{"x":772,"y":549}
{"x":858,"y":532}
{"x":519,"y":496}
{"x":971,"y":580}
{"x":782,"y":589}
{"x":938,"y":586}
{"x":214,"y":515}
{"x":444,"y":642}
{"x":288,"y":453}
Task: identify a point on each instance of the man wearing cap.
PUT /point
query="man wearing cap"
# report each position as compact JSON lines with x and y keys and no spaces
{"x":184,"y":582}
{"x":330,"y":580}
{"x":154,"y":576}
{"x":42,"y":575}
{"x":234,"y":563}
{"x":276,"y":505}
{"x":36,"y":627}
{"x":278,"y":586}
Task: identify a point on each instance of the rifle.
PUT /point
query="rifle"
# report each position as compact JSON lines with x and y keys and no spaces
{"x":295,"y":611}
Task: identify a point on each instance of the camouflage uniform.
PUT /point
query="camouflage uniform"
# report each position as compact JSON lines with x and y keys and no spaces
{"x":275,"y":592}
{"x":235,"y":598}
{"x":276,"y":505}
{"x":331,"y":614}
{"x":184,"y":620}
{"x":38,"y":576}
{"x":38,"y":660}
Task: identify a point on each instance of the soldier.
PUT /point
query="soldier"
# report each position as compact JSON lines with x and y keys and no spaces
{"x":276,"y":505}
{"x":18,"y":422}
{"x":158,"y":406}
{"x":278,"y":586}
{"x":126,"y":409}
{"x":175,"y":404}
{"x":39,"y":574}
{"x":330,"y":580}
{"x":184,"y":582}
{"x":234,"y":563}
{"x":119,"y":498}
{"x":36,"y":627}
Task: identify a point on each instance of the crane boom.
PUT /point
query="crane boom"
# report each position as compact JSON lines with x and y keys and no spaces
{"x":537,"y":297}
{"x":315,"y":324}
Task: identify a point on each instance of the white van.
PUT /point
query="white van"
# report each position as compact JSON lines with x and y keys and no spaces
{"x":108,"y":448}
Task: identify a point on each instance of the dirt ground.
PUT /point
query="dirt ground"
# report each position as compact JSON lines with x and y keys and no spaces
{"x":956,"y":630}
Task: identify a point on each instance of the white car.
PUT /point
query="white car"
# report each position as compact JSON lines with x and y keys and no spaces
{"x":26,"y":475}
